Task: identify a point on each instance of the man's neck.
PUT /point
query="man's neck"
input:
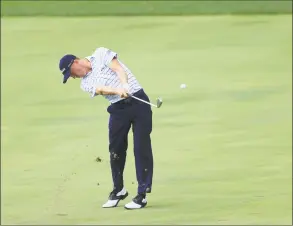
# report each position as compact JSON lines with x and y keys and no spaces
{"x":88,"y":65}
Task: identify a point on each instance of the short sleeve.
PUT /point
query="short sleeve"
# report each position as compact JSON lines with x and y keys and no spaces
{"x":105,"y":55}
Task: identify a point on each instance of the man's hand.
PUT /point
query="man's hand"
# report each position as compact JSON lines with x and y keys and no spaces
{"x":122,"y":92}
{"x":125,"y":87}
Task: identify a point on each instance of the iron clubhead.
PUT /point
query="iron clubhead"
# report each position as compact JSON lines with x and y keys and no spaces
{"x":159,"y":102}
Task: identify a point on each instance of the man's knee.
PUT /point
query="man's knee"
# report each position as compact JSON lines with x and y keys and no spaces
{"x":114,"y":156}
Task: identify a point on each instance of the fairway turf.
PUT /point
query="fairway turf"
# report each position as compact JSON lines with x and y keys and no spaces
{"x":222,"y":146}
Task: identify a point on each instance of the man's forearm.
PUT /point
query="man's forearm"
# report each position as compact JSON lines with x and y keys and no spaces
{"x":122,"y":76}
{"x":106,"y":90}
{"x":116,"y":66}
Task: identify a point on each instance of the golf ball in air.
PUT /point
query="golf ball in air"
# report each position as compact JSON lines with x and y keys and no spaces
{"x":182,"y":86}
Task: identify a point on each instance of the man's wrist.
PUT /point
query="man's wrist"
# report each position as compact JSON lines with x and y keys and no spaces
{"x":117,"y":91}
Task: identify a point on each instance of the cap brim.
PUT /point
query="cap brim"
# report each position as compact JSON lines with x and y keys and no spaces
{"x":66,"y":76}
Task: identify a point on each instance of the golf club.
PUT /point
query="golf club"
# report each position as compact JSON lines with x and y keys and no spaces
{"x":158,"y":105}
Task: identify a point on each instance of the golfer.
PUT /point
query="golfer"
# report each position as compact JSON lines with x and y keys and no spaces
{"x":103,"y":74}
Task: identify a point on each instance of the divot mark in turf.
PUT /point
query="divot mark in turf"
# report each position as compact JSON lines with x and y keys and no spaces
{"x":98,"y":159}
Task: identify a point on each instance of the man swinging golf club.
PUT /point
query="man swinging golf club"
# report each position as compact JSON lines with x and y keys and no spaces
{"x":104,"y":74}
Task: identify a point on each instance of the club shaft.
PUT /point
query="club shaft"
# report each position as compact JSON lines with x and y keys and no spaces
{"x":144,"y":101}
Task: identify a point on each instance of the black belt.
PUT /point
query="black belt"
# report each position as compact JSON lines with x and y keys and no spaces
{"x":128,"y":100}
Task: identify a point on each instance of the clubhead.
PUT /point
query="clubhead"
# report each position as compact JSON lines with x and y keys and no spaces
{"x":159,"y":102}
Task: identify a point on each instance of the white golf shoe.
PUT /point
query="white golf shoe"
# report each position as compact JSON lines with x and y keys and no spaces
{"x":137,"y":202}
{"x":115,"y":197}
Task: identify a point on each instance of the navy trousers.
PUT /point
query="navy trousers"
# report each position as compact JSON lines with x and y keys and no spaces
{"x":124,"y":114}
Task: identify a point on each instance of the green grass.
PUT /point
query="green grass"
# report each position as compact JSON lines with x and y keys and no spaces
{"x":222,"y":147}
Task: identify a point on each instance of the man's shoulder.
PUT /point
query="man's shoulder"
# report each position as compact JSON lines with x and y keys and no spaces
{"x":100,"y":49}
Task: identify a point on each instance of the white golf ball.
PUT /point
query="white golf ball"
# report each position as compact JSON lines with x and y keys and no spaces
{"x":182,"y":86}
